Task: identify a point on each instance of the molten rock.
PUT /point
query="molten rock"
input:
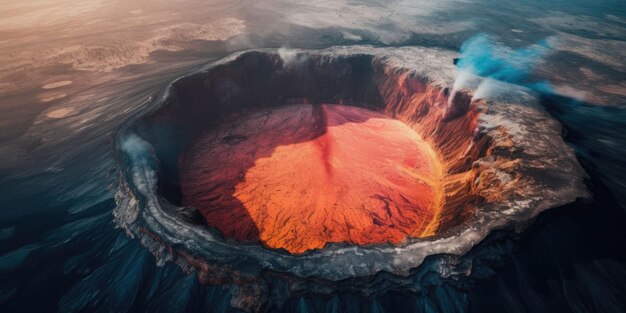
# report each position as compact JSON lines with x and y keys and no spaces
{"x":302,"y":176}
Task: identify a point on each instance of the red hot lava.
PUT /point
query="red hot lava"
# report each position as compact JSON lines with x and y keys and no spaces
{"x":301,"y":176}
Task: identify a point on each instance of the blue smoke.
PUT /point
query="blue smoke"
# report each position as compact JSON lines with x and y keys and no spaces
{"x":482,"y":56}
{"x":485,"y":58}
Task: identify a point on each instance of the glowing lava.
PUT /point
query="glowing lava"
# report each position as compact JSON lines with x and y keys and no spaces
{"x":302,"y":176}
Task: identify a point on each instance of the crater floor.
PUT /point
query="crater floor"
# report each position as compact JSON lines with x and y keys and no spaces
{"x":301,"y":176}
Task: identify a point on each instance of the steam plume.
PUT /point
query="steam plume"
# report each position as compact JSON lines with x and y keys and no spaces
{"x":483,"y":57}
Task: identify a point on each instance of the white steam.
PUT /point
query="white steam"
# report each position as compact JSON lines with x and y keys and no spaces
{"x":291,"y":57}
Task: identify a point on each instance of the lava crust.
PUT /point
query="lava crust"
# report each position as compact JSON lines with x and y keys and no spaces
{"x":301,"y":176}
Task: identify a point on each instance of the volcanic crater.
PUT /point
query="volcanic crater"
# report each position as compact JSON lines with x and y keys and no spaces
{"x":334,"y":164}
{"x":295,"y":155}
{"x":300,"y":176}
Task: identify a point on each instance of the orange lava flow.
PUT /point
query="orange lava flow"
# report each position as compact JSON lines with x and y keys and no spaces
{"x":302,"y":176}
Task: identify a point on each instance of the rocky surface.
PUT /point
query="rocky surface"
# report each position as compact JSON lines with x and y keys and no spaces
{"x":504,"y":162}
{"x":302,"y":176}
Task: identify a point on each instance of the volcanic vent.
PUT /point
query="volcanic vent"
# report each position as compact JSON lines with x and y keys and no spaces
{"x":334,"y":164}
